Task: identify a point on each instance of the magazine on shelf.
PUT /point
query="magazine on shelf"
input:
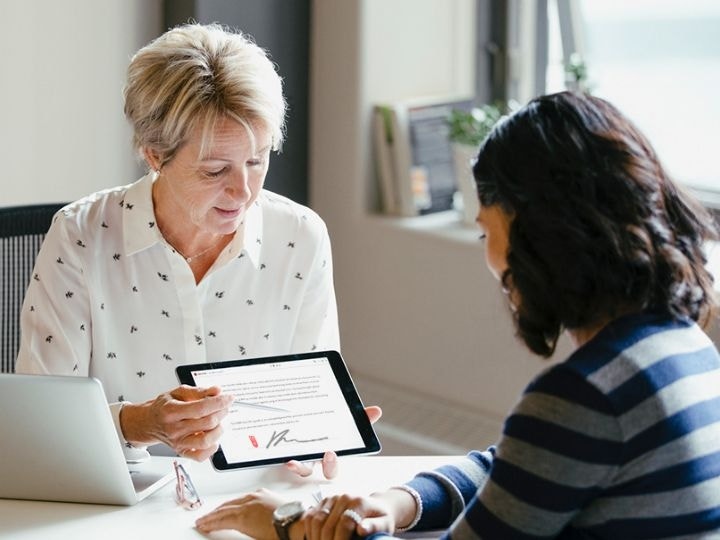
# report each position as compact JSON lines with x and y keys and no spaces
{"x":413,"y":154}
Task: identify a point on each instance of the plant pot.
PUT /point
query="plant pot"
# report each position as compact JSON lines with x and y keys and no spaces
{"x":463,"y":157}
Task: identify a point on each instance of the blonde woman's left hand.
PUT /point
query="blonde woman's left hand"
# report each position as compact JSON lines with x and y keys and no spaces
{"x":329,"y":460}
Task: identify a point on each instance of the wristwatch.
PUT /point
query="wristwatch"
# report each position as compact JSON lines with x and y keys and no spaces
{"x":285,"y":515}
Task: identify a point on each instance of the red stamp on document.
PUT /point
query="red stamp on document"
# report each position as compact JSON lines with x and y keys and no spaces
{"x":253,"y":440}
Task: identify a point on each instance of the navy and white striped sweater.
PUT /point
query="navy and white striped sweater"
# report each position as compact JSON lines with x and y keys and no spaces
{"x":622,"y":440}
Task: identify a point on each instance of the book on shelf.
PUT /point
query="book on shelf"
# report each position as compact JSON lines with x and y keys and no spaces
{"x":413,"y":154}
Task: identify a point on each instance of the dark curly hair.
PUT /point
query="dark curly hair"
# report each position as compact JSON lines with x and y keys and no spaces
{"x":598,"y":228}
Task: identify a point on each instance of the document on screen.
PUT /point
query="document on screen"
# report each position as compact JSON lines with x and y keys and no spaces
{"x":285,"y":410}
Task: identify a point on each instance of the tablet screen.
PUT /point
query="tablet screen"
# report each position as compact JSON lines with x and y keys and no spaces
{"x":286,"y":407}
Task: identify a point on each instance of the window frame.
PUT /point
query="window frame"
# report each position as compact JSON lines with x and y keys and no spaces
{"x":512,"y":53}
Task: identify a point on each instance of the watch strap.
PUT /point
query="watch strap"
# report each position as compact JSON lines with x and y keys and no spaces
{"x":282,"y":529}
{"x":282,"y":526}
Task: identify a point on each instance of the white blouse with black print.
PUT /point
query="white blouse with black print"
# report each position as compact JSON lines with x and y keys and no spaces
{"x":109,"y":298}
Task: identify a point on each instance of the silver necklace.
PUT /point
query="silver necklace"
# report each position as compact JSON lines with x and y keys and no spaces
{"x":189,"y":259}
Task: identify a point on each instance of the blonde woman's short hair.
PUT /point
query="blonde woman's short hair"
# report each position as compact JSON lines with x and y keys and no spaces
{"x":193,"y":75}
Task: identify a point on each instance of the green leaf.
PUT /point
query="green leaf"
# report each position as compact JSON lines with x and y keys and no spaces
{"x":471,"y":127}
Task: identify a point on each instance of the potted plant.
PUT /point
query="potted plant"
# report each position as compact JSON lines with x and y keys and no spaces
{"x":468,"y":128}
{"x":576,"y":74}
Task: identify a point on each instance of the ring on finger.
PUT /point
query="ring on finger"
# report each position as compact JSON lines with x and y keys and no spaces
{"x":326,"y":510}
{"x":352,"y":514}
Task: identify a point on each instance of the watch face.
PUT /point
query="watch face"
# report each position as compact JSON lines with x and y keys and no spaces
{"x":287,"y":510}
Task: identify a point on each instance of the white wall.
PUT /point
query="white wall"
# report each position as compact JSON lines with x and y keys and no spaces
{"x":418,"y":310}
{"x":63,"y":133}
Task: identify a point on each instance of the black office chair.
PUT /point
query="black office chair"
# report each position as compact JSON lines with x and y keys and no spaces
{"x":22,"y":230}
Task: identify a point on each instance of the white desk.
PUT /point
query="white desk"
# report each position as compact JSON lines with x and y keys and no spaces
{"x":160,"y":517}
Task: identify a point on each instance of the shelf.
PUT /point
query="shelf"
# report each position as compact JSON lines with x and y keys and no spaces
{"x":449,"y":225}
{"x":446,"y":225}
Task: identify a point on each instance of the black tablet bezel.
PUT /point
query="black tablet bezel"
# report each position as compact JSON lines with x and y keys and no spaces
{"x":371,"y":444}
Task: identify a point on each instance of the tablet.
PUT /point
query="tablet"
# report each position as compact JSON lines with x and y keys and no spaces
{"x":295,"y":406}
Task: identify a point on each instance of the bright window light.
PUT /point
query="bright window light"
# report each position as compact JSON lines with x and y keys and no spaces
{"x":659,"y":62}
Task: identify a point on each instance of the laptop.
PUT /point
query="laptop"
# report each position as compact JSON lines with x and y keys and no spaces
{"x":58,"y":443}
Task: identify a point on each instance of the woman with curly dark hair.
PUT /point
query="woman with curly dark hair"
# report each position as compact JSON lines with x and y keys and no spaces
{"x":596,"y":227}
{"x":588,"y":236}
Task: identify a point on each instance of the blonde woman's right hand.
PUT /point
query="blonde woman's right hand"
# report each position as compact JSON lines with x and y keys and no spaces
{"x":187,"y":419}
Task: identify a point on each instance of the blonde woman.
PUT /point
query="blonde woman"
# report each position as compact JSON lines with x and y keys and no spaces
{"x":195,"y":261}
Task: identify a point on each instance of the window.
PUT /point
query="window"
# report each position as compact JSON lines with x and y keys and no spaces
{"x":659,"y":62}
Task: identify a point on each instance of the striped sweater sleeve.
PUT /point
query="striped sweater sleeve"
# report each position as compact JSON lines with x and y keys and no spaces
{"x":446,"y":491}
{"x":561,"y":446}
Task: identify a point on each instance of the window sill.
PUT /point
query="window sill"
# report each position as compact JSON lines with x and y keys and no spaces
{"x":447,"y":225}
